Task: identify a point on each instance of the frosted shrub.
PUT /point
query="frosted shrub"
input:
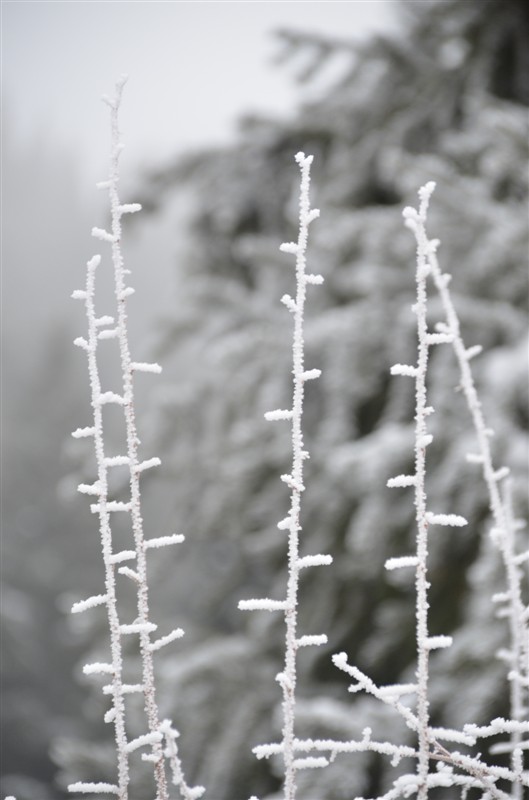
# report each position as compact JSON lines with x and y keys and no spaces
{"x":435,"y":751}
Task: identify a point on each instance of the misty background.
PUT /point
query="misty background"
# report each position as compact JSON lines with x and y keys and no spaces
{"x":386,"y":95}
{"x":195,"y":69}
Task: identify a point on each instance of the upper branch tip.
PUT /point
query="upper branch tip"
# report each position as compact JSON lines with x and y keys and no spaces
{"x":425,"y":192}
{"x":302,"y":159}
{"x":338,"y":658}
{"x":120,"y":83}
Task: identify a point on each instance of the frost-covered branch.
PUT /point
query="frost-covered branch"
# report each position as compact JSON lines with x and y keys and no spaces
{"x":100,"y":488}
{"x":471,"y":770}
{"x":427,"y":264}
{"x":422,"y":440}
{"x":416,"y":221}
{"x":505,"y":526}
{"x":122,"y":293}
{"x":141,"y":627}
{"x":294,"y":480}
{"x":175,"y":763}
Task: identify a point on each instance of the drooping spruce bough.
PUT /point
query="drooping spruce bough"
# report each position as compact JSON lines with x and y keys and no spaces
{"x":158,"y":743}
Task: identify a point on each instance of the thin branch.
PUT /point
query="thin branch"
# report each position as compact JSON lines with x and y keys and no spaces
{"x":101,"y":485}
{"x":294,"y":480}
{"x":141,"y":627}
{"x":503,"y":533}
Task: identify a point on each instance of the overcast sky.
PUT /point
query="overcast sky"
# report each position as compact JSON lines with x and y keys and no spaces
{"x":193,"y":67}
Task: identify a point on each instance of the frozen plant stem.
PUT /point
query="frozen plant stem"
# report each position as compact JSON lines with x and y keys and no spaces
{"x":142,"y":625}
{"x":518,"y":658}
{"x":288,"y":683}
{"x":416,"y":221}
{"x":450,"y":333}
{"x":421,"y":442}
{"x":106,"y":536}
{"x":504,"y":525}
{"x":149,"y":690}
{"x":294,"y":480}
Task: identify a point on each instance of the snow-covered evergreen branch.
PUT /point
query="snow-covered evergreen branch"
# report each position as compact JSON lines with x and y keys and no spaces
{"x":294,"y":480}
{"x":141,"y":626}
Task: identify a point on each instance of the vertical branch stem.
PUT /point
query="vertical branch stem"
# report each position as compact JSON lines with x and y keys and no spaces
{"x":149,"y":688}
{"x":504,"y":524}
{"x":421,"y":442}
{"x":288,"y":681}
{"x":106,"y":538}
{"x":294,"y":480}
